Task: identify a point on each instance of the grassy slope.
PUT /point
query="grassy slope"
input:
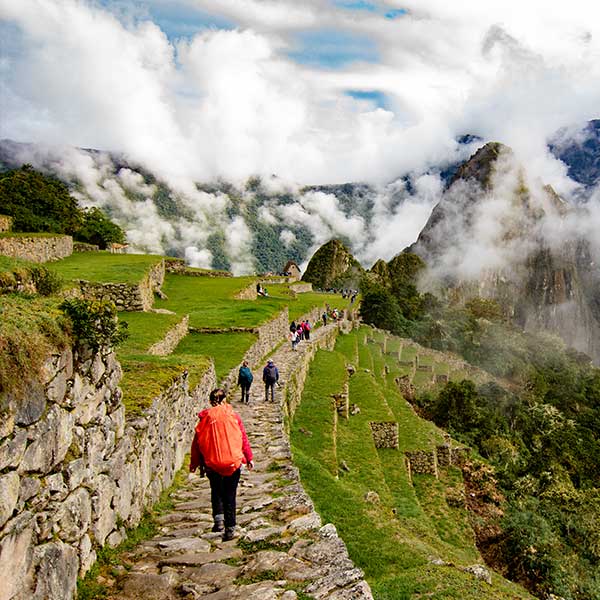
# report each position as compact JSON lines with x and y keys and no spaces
{"x":391,"y":540}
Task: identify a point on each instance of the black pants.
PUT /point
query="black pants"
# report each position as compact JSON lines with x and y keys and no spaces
{"x":269,"y":387}
{"x":245,"y":391}
{"x":223,"y":490}
{"x":307,"y":335}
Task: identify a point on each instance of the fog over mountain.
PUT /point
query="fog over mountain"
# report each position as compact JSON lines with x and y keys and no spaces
{"x":188,"y":101}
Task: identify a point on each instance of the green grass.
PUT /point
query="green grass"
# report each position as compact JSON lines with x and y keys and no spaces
{"x":146,"y":377}
{"x":408,"y":352}
{"x":226,"y":349}
{"x":211,"y":302}
{"x":104,"y":267}
{"x":391,"y":540}
{"x":13,"y":234}
{"x":8,"y":263}
{"x":144,"y":329}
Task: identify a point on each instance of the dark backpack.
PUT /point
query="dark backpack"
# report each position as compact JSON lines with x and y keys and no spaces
{"x":270,"y":374}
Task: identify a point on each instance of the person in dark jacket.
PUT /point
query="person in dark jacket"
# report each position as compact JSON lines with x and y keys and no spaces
{"x":270,"y":378}
{"x":245,"y":379}
{"x":223,"y":488}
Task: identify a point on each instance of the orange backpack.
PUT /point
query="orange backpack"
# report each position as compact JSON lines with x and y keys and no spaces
{"x":220,"y":440}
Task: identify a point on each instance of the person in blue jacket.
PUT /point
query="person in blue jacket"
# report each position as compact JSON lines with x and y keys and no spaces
{"x":245,"y":378}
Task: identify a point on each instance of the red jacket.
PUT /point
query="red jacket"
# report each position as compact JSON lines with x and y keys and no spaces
{"x":196,"y":456}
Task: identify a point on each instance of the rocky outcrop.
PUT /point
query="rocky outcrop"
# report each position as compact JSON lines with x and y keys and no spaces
{"x":497,"y":235}
{"x":76,"y":471}
{"x":39,"y":248}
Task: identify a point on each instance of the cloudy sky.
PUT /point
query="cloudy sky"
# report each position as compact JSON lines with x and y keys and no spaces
{"x":313,"y":91}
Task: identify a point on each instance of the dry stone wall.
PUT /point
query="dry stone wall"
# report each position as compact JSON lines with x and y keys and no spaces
{"x":39,"y":249}
{"x":171,"y":339}
{"x":385,"y":434}
{"x":127,"y":296}
{"x":76,"y":471}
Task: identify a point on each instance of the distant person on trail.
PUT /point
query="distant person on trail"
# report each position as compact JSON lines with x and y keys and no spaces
{"x":324,"y":317}
{"x":245,"y":379}
{"x":270,"y":378}
{"x":293,"y":337}
{"x":306,"y":330}
{"x":219,"y":448}
{"x":300,"y":330}
{"x":293,"y":326}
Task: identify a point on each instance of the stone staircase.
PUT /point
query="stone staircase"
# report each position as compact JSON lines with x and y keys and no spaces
{"x":282,"y":551}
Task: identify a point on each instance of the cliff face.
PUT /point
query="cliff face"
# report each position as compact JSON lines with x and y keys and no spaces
{"x":497,"y":235}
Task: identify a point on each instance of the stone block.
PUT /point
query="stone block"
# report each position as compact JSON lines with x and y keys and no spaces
{"x":16,"y":556}
{"x":104,"y":518}
{"x":31,"y":404}
{"x":13,"y":449}
{"x":52,"y":437}
{"x":9,"y":496}
{"x":423,"y":462}
{"x":57,"y":568}
{"x":73,"y":517}
{"x":385,"y":434}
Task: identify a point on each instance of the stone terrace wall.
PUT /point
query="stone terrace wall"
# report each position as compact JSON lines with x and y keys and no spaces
{"x":171,"y":339}
{"x":75,"y":472}
{"x":270,"y":336}
{"x":5,"y":223}
{"x":178,"y":266}
{"x":127,"y":296}
{"x":37,"y":249}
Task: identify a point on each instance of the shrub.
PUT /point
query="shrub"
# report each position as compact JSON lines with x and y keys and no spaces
{"x":46,"y":282}
{"x":95,"y":322}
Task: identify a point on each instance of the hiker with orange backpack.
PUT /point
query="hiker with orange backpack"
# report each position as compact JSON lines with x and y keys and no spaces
{"x":219,"y":448}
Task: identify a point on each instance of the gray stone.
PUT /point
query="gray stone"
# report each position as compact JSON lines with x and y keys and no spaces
{"x":12,"y":450}
{"x":30,"y":487}
{"x":116,"y":537}
{"x":360,"y":591}
{"x":214,"y":574}
{"x":328,"y":531}
{"x":57,"y":388}
{"x":306,"y":523}
{"x":259,"y":535}
{"x":149,"y":586}
{"x":51,"y":440}
{"x":55,"y":485}
{"x":97,"y":369}
{"x":31,"y":405}
{"x":325,"y":552}
{"x":201,"y":558}
{"x":57,"y":567}
{"x":76,"y":472}
{"x":9,"y":496}
{"x":186,"y":544}
{"x":104,"y":518}
{"x":479,"y":572}
{"x":87,"y":555}
{"x":339,"y":579}
{"x":16,"y":555}
{"x":7,"y":424}
{"x":270,"y":560}
{"x":73,"y":517}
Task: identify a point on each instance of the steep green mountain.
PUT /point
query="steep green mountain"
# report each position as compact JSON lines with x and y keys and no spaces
{"x":333,"y":266}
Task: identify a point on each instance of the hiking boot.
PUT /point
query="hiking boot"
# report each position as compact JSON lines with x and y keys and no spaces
{"x":229,"y":534}
{"x":218,"y":526}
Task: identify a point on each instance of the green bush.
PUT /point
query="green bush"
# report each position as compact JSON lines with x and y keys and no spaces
{"x":46,"y":282}
{"x":95,"y":322}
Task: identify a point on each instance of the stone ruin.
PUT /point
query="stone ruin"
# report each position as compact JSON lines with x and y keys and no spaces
{"x":385,"y":434}
{"x":423,"y":462}
{"x":407,"y":389}
{"x":342,"y":403}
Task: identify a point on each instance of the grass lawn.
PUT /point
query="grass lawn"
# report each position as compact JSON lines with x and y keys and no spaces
{"x":211,"y":302}
{"x":144,"y":330}
{"x":104,"y":267}
{"x":393,"y":539}
{"x":226,"y":349}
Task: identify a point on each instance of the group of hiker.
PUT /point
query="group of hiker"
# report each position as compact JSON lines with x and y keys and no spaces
{"x":299,"y":332}
{"x":220,"y":447}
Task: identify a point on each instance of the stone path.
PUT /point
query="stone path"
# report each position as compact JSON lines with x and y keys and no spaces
{"x":282,"y":550}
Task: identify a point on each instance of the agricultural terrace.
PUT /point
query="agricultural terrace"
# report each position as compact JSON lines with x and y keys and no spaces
{"x":393,"y":535}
